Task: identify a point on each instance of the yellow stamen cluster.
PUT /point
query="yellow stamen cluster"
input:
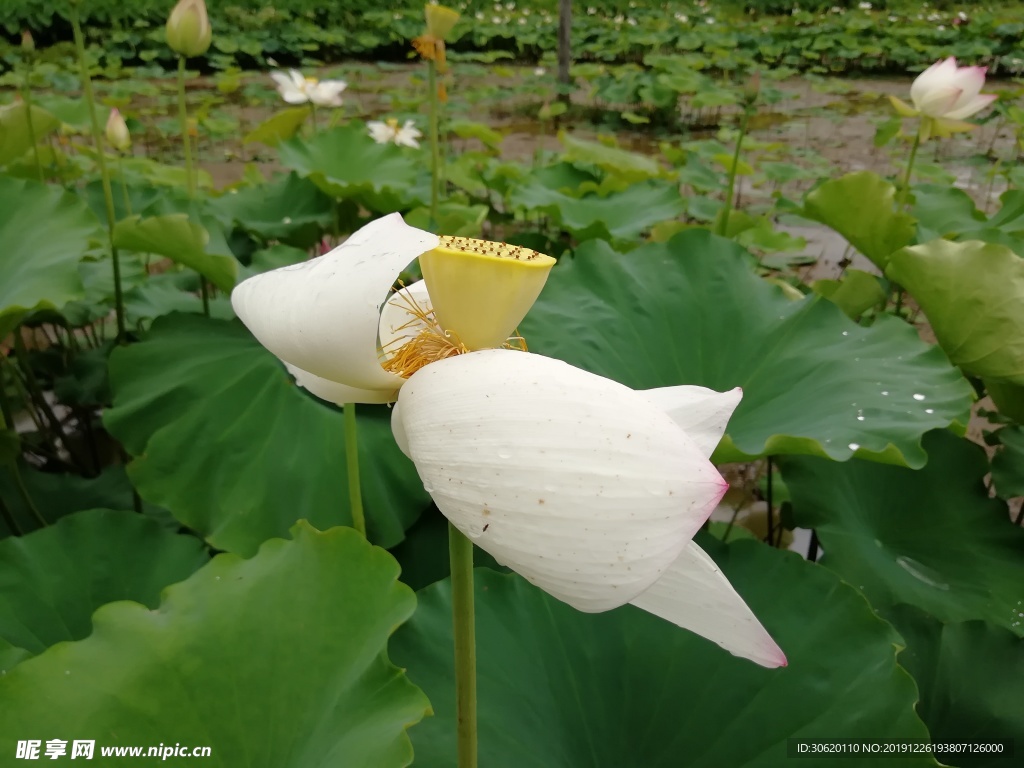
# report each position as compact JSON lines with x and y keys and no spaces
{"x":489,"y":248}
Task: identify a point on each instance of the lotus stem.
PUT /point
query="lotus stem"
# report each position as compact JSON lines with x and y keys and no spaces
{"x":101,"y":161}
{"x":22,"y":490}
{"x":723,"y":221}
{"x":355,"y":495}
{"x":460,"y":552}
{"x":901,"y":201}
{"x":190,"y":177}
{"x":435,"y":145}
{"x":29,"y":124}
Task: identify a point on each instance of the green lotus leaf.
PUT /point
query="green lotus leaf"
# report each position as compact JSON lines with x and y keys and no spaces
{"x":279,"y":127}
{"x":931,"y":538}
{"x":948,"y":212}
{"x":15,"y":138}
{"x":345,"y":162}
{"x":56,"y":495}
{"x":619,"y":162}
{"x":278,"y":661}
{"x":44,"y":233}
{"x":861,"y":207}
{"x":52,"y":580}
{"x":618,"y":215}
{"x":692,"y":311}
{"x":856,"y":293}
{"x":1008,"y":462}
{"x":225,"y":440}
{"x":181,"y":240}
{"x":969,"y":675}
{"x":971,"y":293}
{"x":561,"y":689}
{"x":290,"y":209}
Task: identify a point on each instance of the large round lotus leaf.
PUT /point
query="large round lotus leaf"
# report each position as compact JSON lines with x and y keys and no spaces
{"x":345,"y":162}
{"x":692,"y":311}
{"x":931,"y":537}
{"x":274,"y":662}
{"x":969,"y":675}
{"x":228,"y":443}
{"x":290,"y":209}
{"x":972,"y":294}
{"x":44,"y":232}
{"x":624,"y":689}
{"x":618,"y":215}
{"x":52,"y":580}
{"x":861,"y":207}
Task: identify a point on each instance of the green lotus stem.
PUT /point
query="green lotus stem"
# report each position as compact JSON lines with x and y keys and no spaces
{"x":124,"y":186}
{"x":435,"y":145}
{"x":101,"y":161}
{"x":38,"y":398}
{"x":8,"y":518}
{"x":460,"y":553}
{"x":183,"y":120}
{"x":19,"y":483}
{"x":190,"y":175}
{"x":901,"y":201}
{"x":355,"y":494}
{"x":29,"y":124}
{"x":312,"y":117}
{"x":723,"y":222}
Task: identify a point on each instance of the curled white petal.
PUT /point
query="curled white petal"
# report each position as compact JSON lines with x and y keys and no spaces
{"x":694,"y":594}
{"x":701,"y":412}
{"x":336,"y":393}
{"x":578,"y":483}
{"x":322,"y":315}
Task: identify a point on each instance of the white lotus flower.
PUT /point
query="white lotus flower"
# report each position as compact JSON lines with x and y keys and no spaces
{"x":388,"y":132}
{"x":296,"y":88}
{"x":944,"y":95}
{"x":588,"y":489}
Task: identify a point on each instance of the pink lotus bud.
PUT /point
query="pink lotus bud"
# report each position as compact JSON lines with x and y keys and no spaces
{"x":117,"y":132}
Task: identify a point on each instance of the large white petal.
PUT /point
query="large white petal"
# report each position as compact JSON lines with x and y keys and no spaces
{"x":574,"y":481}
{"x":968,"y":108}
{"x":336,"y":393}
{"x":322,"y":315}
{"x":701,"y":412}
{"x":694,"y":594}
{"x":938,"y":75}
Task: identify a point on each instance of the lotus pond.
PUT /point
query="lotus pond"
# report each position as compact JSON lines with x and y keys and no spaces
{"x":370,"y":397}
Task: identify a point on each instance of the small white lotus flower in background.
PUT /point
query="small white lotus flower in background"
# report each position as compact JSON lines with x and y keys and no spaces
{"x":943,"y":96}
{"x":590,"y":490}
{"x":389,"y":132}
{"x":296,"y":88}
{"x":117,"y":132}
{"x":540,"y":71}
